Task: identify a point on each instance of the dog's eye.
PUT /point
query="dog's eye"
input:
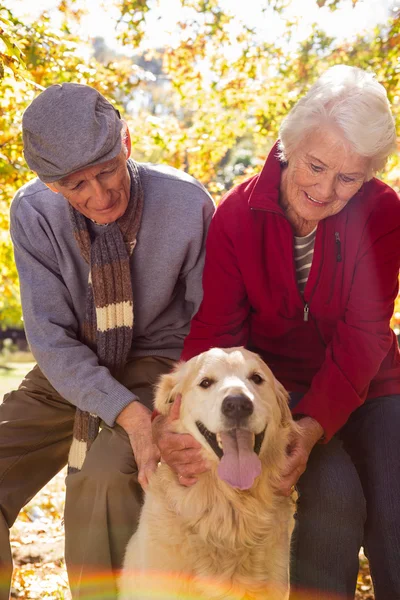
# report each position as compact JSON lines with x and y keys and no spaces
{"x":256,"y":378}
{"x":206,"y":383}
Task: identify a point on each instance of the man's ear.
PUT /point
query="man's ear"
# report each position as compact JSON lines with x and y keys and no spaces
{"x":52,"y":187}
{"x":126,"y":139}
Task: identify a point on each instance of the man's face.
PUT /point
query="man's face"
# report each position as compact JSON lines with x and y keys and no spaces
{"x":100,"y":193}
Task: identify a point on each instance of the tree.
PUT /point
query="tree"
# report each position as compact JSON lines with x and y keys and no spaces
{"x":33,"y":57}
{"x":214,"y":102}
{"x":233,"y":88}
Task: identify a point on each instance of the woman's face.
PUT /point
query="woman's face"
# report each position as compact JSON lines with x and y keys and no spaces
{"x":322,"y":175}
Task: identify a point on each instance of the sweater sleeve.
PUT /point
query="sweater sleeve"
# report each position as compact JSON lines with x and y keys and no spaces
{"x":222,"y":318}
{"x":363,"y":337}
{"x":51,"y":325}
{"x":194,"y":263}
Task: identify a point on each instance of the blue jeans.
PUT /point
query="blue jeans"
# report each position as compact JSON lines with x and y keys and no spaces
{"x":349,"y":497}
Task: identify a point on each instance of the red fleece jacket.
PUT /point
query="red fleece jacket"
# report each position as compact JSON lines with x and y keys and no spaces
{"x":335,"y":343}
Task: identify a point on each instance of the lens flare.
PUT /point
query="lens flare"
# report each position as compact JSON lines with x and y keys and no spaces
{"x":154,"y":585}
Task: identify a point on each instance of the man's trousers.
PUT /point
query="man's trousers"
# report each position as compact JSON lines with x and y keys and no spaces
{"x":103,"y":500}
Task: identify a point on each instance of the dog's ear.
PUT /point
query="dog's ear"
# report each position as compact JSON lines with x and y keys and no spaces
{"x":283,"y":402}
{"x":167,"y":390}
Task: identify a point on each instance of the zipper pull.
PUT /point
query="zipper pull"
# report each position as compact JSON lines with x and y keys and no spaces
{"x":338,"y":247}
{"x":305,"y":312}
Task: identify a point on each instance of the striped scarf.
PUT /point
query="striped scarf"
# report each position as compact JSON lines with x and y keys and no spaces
{"x":108,"y":323}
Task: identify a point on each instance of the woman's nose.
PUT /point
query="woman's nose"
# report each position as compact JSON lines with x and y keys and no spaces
{"x":325,"y":188}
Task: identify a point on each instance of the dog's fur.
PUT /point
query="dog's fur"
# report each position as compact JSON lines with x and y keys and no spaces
{"x":212,"y":540}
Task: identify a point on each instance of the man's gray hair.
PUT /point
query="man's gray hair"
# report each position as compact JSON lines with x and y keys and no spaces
{"x":354,"y":101}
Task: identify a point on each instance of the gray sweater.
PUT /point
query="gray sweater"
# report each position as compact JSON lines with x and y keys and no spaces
{"x":166,"y":270}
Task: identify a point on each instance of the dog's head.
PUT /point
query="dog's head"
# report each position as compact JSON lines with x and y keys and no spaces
{"x":233,"y":405}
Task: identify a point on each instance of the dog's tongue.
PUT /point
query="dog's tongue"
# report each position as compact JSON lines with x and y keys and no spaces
{"x":240,"y":465}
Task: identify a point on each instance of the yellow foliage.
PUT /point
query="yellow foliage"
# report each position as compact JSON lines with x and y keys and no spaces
{"x":395,"y":323}
{"x":216,"y":106}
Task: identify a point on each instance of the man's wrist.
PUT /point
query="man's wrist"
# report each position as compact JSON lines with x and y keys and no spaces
{"x":132,"y":410}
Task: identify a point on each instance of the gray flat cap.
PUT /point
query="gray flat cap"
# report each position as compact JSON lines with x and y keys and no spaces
{"x":69,"y":127}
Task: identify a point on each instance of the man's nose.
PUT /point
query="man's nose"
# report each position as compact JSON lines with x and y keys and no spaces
{"x":100,"y":196}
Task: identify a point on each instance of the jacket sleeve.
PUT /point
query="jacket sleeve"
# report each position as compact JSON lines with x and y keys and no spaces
{"x":51,"y":326}
{"x":363,"y":337}
{"x":222,"y":318}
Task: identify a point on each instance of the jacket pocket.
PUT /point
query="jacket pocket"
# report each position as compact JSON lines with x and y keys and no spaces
{"x":337,"y":268}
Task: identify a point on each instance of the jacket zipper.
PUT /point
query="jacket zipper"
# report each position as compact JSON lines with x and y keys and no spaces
{"x":306,"y":304}
{"x":306,"y":307}
{"x":338,"y":243}
{"x":338,"y":247}
{"x":306,"y":310}
{"x":339,"y":258}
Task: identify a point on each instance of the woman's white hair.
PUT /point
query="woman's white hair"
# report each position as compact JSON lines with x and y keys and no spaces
{"x":353,"y":100}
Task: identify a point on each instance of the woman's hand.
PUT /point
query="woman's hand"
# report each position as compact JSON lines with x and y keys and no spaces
{"x":135,"y":419}
{"x":309,"y":431}
{"x":180,"y":451}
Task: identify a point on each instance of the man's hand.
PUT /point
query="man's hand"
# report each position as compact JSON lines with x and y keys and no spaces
{"x":303,"y":441}
{"x":180,"y":451}
{"x":135,"y":420}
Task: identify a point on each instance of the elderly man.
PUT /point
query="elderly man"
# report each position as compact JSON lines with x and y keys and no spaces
{"x":109,"y":254}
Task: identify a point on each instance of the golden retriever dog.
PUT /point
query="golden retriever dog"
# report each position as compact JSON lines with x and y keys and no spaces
{"x":228,"y":535}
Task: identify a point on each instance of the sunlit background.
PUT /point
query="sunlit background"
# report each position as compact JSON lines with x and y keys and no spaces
{"x":204,"y":85}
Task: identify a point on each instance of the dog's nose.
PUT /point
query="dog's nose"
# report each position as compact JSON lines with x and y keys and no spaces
{"x":237,"y":406}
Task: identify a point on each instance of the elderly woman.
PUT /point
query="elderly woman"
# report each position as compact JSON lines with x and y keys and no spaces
{"x":302,"y":267}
